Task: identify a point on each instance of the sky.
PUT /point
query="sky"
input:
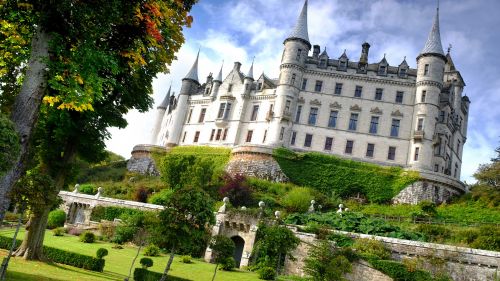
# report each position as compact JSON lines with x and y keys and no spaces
{"x":239,"y":30}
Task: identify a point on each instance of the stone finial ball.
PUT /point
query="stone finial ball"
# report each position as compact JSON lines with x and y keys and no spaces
{"x":277,"y":214}
{"x":225,"y":200}
{"x":243,"y":208}
{"x":77,"y":186}
{"x":262,"y":204}
{"x":341,"y":205}
{"x":99,"y":189}
{"x":313,"y":202}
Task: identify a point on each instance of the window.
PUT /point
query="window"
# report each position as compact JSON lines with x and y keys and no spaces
{"x":292,"y":81}
{"x":219,"y":132}
{"x":313,"y":114}
{"x":292,"y":139}
{"x":348,"y":146}
{"x":322,"y":63}
{"x":426,"y":69}
{"x":436,"y":168}
{"x":338,"y":88}
{"x":287,"y":106}
{"x":224,"y":136}
{"x":249,"y":136}
{"x":353,"y":122}
{"x":299,"y":53}
{"x":381,"y":70}
{"x":332,"y":121}
{"x":184,"y":137}
{"x":264,"y":138}
{"x":308,"y":140}
{"x":378,"y":94}
{"x":196,"y":136}
{"x":212,"y":135}
{"x":297,"y":115}
{"x":282,"y":132}
{"x":189,"y":115}
{"x":392,"y":153}
{"x":247,"y":86}
{"x":374,"y":125}
{"x":402,"y":72}
{"x":342,"y":65}
{"x":420,"y":124}
{"x":417,"y":151}
{"x":228,"y":109}
{"x":222,"y":108}
{"x":370,"y":148}
{"x":229,"y":88}
{"x":304,"y":84}
{"x":422,"y":97}
{"x":202,"y":115}
{"x":441,"y":116}
{"x":456,"y":170}
{"x":255,"y":112}
{"x":207,"y":90}
{"x":259,"y":86}
{"x":328,"y":143}
{"x":358,"y":91}
{"x":458,"y":146}
{"x":318,"y":86}
{"x":395,"y":127}
{"x":399,"y":97}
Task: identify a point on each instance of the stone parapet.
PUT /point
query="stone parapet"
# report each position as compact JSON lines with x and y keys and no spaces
{"x":141,"y":160}
{"x":255,"y":161}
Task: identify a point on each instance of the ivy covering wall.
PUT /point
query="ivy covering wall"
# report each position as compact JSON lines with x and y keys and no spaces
{"x":328,"y":173}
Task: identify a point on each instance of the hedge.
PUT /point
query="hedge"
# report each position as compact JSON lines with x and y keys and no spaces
{"x":328,"y":173}
{"x":110,"y":213}
{"x":141,"y":274}
{"x":399,"y":272}
{"x":61,"y":256}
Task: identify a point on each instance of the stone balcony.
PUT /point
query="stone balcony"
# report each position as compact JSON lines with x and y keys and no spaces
{"x":418,"y":135}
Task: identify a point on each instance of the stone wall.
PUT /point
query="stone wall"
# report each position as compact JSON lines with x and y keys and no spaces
{"x":141,"y":161}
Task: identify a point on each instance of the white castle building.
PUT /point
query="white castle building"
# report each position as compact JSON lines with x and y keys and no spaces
{"x":373,"y":112}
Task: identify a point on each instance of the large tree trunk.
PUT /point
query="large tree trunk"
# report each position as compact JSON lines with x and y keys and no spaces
{"x":169,"y":263}
{"x":25,"y":110}
{"x":32,"y":246}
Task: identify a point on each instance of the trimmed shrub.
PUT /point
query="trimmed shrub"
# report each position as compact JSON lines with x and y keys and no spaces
{"x":151,"y":250}
{"x":141,"y":274}
{"x":59,"y":231}
{"x":228,"y":264}
{"x":146,"y":262}
{"x":87,"y":237}
{"x":186,"y":259}
{"x":267,"y":273}
{"x":56,"y":219}
{"x":161,"y":197}
{"x":371,"y":249}
{"x":297,"y":200}
{"x":101,"y":253}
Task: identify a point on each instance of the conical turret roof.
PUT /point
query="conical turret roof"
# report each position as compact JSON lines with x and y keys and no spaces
{"x":219,"y":76}
{"x":166,"y":100}
{"x":300,"y":29}
{"x":433,"y":44}
{"x":193,"y":73}
{"x":250,"y":72}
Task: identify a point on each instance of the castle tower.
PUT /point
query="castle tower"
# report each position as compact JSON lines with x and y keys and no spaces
{"x":429,"y":82}
{"x":292,"y":68}
{"x":190,"y":84}
{"x":216,"y":84}
{"x":160,"y":113}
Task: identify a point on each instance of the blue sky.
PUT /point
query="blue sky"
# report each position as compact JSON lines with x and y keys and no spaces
{"x":237,"y":30}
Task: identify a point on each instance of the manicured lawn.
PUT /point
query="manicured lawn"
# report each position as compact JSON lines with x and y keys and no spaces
{"x":117,"y":264}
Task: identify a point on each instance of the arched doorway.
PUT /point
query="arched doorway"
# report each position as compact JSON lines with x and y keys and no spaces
{"x":239,"y":243}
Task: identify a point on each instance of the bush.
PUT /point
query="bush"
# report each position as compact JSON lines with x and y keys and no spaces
{"x":297,"y":200}
{"x":428,"y":208}
{"x":186,"y":259}
{"x":161,"y":197}
{"x":107,"y":230}
{"x":267,"y":273}
{"x":141,"y":194}
{"x":371,"y":248}
{"x":399,"y":272}
{"x":237,"y":190}
{"x":434,"y":233}
{"x":488,"y":239}
{"x":87,"y":237}
{"x":152,"y":250}
{"x":88,"y":188}
{"x":146,"y":262}
{"x":228,"y":264}
{"x":59,"y":231}
{"x":101,"y":253}
{"x":57,"y":218}
{"x":124,"y":234}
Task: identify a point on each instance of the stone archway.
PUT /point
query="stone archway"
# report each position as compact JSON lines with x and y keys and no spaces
{"x":239,"y":244}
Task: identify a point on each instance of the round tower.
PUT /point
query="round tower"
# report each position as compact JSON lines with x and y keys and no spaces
{"x":160,"y":113}
{"x":296,"y":48}
{"x":430,"y":71}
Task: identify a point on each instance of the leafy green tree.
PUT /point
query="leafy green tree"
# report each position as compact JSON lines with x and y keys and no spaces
{"x":222,"y":249}
{"x":325,"y":262}
{"x":187,"y":215}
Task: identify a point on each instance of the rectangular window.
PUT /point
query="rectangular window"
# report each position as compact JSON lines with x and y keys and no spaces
{"x":441,"y":116}
{"x":422,"y":97}
{"x":399,"y":97}
{"x":370,"y":149}
{"x":297,"y":115}
{"x":228,"y":110}
{"x":292,"y":81}
{"x":202,"y":115}
{"x":338,"y":88}
{"x":458,"y":146}
{"x":287,"y":106}
{"x":374,"y":125}
{"x":299,"y":52}
{"x":392,"y":153}
{"x":224,"y":136}
{"x":402,"y":72}
{"x":313,"y":114}
{"x":304,"y":84}
{"x":229,"y":88}
{"x":219,"y":132}
{"x":255,"y":111}
{"x":426,"y":69}
{"x":184,"y":137}
{"x":249,"y":136}
{"x":436,"y":168}
{"x":259,"y":86}
{"x":222,"y":108}
{"x":292,"y":139}
{"x":328,"y":143}
{"x":318,"y":86}
{"x":456,"y":170}
{"x":212,"y":135}
{"x":282,"y":132}
{"x":395,"y":127}
{"x":358,"y":91}
{"x":417,"y":150}
{"x":264,"y":138}
{"x":332,"y":121}
{"x":308,"y":140}
{"x":378,"y":93}
{"x":381,"y":70}
{"x":353,"y":122}
{"x":189,"y":115}
{"x":196,"y":136}
{"x":348,"y":146}
{"x":420,"y":124}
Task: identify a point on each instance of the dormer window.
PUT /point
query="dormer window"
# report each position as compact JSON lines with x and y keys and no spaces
{"x":402,"y":72}
{"x":342,"y":65}
{"x":229,"y":88}
{"x":322,"y":63}
{"x":259,"y":86}
{"x":207,"y":91}
{"x":382,"y":70}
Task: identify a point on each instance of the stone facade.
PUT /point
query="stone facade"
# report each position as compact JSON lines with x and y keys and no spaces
{"x":141,"y":160}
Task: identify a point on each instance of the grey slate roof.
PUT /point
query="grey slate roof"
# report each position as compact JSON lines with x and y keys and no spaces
{"x":193,"y":73}
{"x":164,"y":103}
{"x":300,"y":29}
{"x":250,"y":72}
{"x":433,"y":44}
{"x":219,"y":76}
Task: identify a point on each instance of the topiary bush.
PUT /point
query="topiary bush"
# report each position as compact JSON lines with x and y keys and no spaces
{"x":151,"y":250}
{"x":87,"y":237}
{"x":101,"y":253}
{"x":267,"y":273}
{"x":58,"y":231}
{"x":228,"y":264}
{"x":57,"y":218}
{"x":146,"y":262}
{"x":186,"y":259}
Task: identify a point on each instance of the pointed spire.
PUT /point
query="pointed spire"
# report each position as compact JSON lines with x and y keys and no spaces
{"x":219,"y":76}
{"x":166,"y":100}
{"x":404,"y":63}
{"x":324,"y":53}
{"x":300,"y":29}
{"x":383,"y":61}
{"x":193,"y":73}
{"x":344,"y":55}
{"x":433,"y":44}
{"x":250,"y":71}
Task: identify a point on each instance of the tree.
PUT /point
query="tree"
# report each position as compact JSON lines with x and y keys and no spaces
{"x":325,"y":262}
{"x":9,"y":144}
{"x":489,"y":175}
{"x":187,"y":216}
{"x":222,"y":249}
{"x":81,"y":54}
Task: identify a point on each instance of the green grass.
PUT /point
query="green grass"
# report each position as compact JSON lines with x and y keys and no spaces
{"x":117,"y":264}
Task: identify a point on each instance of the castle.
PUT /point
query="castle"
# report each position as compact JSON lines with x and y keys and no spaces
{"x":373,"y":112}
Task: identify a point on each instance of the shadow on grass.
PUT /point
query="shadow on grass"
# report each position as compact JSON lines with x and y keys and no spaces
{"x":21,"y":276}
{"x":102,"y":275}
